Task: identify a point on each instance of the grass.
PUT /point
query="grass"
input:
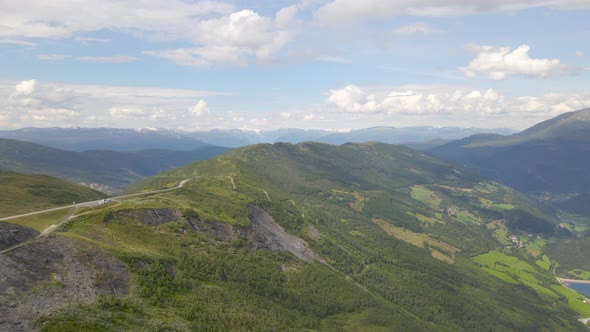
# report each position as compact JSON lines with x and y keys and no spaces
{"x":465,"y":216}
{"x":544,"y":263}
{"x":426,"y":196}
{"x":425,"y":219}
{"x":501,"y":236}
{"x":574,"y":300}
{"x":579,"y":274}
{"x":40,"y":222}
{"x":23,"y":193}
{"x":487,"y":203}
{"x":513,"y":270}
{"x":438,"y":249}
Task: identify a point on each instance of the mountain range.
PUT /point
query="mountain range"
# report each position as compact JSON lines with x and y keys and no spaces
{"x":108,"y":171}
{"x":548,"y":161}
{"x":82,"y":139}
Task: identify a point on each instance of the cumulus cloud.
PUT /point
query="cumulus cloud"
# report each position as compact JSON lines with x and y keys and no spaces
{"x":453,"y":104}
{"x":353,"y":99}
{"x":218,"y":32}
{"x":497,"y":63}
{"x":25,"y":88}
{"x":235,"y":38}
{"x":43,"y":104}
{"x":338,"y":12}
{"x":200,"y":108}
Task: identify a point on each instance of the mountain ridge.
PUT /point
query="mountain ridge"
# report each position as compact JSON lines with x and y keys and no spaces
{"x":548,"y":157}
{"x":81,"y":139}
{"x":111,"y":171}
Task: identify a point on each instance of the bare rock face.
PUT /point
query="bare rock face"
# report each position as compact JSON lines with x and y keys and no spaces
{"x":263,"y":233}
{"x":151,"y":217}
{"x":11,"y":235}
{"x":267,"y":234}
{"x":52,"y":272}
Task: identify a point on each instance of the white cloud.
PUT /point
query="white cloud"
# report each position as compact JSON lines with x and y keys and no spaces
{"x":579,"y":54}
{"x":203,"y":56}
{"x":200,"y":108}
{"x":448,"y":105}
{"x":108,"y":59}
{"x":338,"y":12}
{"x":53,"y":57}
{"x":286,"y":17}
{"x":334,"y":59}
{"x":353,"y":99}
{"x":127,"y":112}
{"x":92,"y":40}
{"x":415,"y":29}
{"x":25,"y":88}
{"x":63,"y":18}
{"x":51,"y":114}
{"x":218,"y":32}
{"x":42,"y":104}
{"x":17,"y":42}
{"x":497,"y":63}
{"x":234,"y":39}
{"x":116,"y":59}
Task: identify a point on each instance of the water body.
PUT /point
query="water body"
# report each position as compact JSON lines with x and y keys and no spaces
{"x":582,"y":288}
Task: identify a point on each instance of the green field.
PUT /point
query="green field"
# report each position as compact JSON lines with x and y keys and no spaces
{"x":579,"y":274}
{"x":513,"y":270}
{"x":426,"y":196}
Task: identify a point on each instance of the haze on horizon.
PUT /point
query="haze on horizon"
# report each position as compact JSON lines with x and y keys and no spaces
{"x":310,"y":64}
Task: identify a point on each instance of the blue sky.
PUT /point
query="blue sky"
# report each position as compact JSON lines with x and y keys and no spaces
{"x":323,"y":64}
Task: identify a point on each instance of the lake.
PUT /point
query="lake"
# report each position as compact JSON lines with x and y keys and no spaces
{"x":582,"y":288}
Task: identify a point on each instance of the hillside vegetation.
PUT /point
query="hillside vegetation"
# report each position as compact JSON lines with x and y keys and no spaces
{"x":318,"y":237}
{"x":22,"y":193}
{"x":108,"y":171}
{"x":549,"y":159}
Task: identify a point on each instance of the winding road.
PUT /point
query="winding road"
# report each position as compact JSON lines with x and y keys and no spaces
{"x":95,"y":203}
{"x":73,"y":208}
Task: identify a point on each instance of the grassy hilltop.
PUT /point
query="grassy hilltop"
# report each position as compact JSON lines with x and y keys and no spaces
{"x":22,"y":193}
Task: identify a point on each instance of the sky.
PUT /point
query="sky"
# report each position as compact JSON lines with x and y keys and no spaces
{"x":311,"y":64}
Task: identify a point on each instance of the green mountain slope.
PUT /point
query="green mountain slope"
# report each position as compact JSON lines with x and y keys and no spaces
{"x":317,"y":237}
{"x":550,"y":157}
{"x":22,"y":193}
{"x":108,"y":170}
